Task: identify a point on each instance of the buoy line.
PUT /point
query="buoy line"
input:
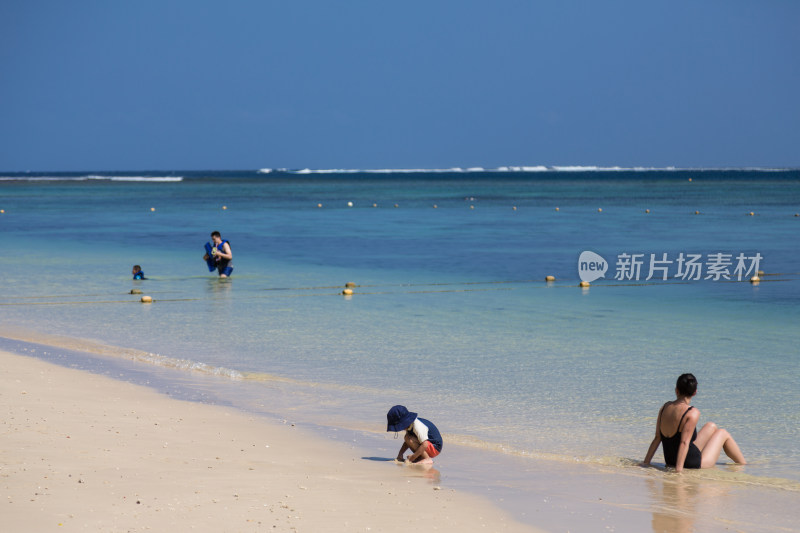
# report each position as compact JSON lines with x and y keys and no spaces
{"x":306,"y":288}
{"x":431,"y":284}
{"x":350,"y":292}
{"x":78,"y":303}
{"x":73,"y":295}
{"x":547,"y":283}
{"x":51,"y":296}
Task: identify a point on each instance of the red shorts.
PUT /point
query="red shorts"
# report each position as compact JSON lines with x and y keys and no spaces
{"x":432,"y":451}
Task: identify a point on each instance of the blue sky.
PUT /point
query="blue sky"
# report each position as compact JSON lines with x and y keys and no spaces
{"x":191,"y":84}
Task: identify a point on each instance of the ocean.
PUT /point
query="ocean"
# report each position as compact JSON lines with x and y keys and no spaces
{"x":450,"y":314}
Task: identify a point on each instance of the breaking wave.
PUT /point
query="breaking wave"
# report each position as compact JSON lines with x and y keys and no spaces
{"x":511,"y":169}
{"x":93,"y":177}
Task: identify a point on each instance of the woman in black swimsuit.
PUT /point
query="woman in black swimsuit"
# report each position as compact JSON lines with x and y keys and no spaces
{"x":686,"y":448}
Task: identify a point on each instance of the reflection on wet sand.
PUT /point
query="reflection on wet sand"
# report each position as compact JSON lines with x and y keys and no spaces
{"x":679,"y":502}
{"x":423,"y":470}
{"x":673,"y":505}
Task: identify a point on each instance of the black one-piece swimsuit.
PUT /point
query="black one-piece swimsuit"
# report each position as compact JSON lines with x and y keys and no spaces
{"x":671,"y":445}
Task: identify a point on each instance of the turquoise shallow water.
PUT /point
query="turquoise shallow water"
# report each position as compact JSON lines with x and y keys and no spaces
{"x":451,"y":316}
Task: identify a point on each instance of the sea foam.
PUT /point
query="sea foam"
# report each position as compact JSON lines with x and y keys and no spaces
{"x":515,"y":169}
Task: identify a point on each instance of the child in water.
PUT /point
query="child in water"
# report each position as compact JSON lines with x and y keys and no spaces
{"x":137,"y":272}
{"x":422,"y":437}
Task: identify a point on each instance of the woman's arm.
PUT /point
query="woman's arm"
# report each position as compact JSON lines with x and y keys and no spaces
{"x":686,"y":437}
{"x":656,"y":440}
{"x":652,"y":450}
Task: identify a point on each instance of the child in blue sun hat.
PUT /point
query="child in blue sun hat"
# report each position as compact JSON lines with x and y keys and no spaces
{"x":422,"y":437}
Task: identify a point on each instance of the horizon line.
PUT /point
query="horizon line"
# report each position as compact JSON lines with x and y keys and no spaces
{"x":521,"y":169}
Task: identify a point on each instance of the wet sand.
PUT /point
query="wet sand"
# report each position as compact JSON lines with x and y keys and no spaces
{"x":82,"y":452}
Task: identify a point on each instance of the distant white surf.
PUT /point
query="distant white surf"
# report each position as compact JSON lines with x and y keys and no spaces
{"x":537,"y":168}
{"x":137,"y":178}
{"x":92,"y":177}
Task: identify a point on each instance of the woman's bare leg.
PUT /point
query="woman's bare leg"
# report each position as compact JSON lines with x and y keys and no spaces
{"x":720,"y":440}
{"x":704,"y":435}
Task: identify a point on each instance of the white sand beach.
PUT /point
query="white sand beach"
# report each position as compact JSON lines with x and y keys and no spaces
{"x":82,"y":452}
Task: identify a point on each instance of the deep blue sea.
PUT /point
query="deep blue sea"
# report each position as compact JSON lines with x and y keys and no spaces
{"x":451,"y":314}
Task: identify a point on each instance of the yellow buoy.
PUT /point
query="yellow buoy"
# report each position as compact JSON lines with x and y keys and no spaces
{"x":600,"y":210}
{"x":349,"y":204}
{"x":646,"y":210}
{"x":152,"y":209}
{"x":147,"y":299}
{"x":374,"y":205}
{"x":514,"y":208}
{"x":755,"y":279}
{"x":556,"y":209}
{"x":697,"y":212}
{"x":319,"y":205}
{"x":760,"y":273}
{"x":396,"y":205}
{"x":472,"y":207}
{"x":2,"y":211}
{"x":349,"y":284}
{"x":136,"y":291}
{"x":751,"y":214}
{"x":584,"y":284}
{"x":435,"y":206}
{"x":549,"y":278}
{"x":690,"y":179}
{"x":224,"y":207}
{"x":347,"y":292}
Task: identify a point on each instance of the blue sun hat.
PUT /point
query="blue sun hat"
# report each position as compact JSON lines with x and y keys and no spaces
{"x":399,"y":418}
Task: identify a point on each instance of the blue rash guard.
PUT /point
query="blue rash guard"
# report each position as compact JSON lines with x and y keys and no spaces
{"x":432,"y":435}
{"x":224,"y":266}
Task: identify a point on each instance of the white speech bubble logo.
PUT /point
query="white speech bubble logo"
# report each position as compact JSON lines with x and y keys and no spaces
{"x":591,"y":266}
